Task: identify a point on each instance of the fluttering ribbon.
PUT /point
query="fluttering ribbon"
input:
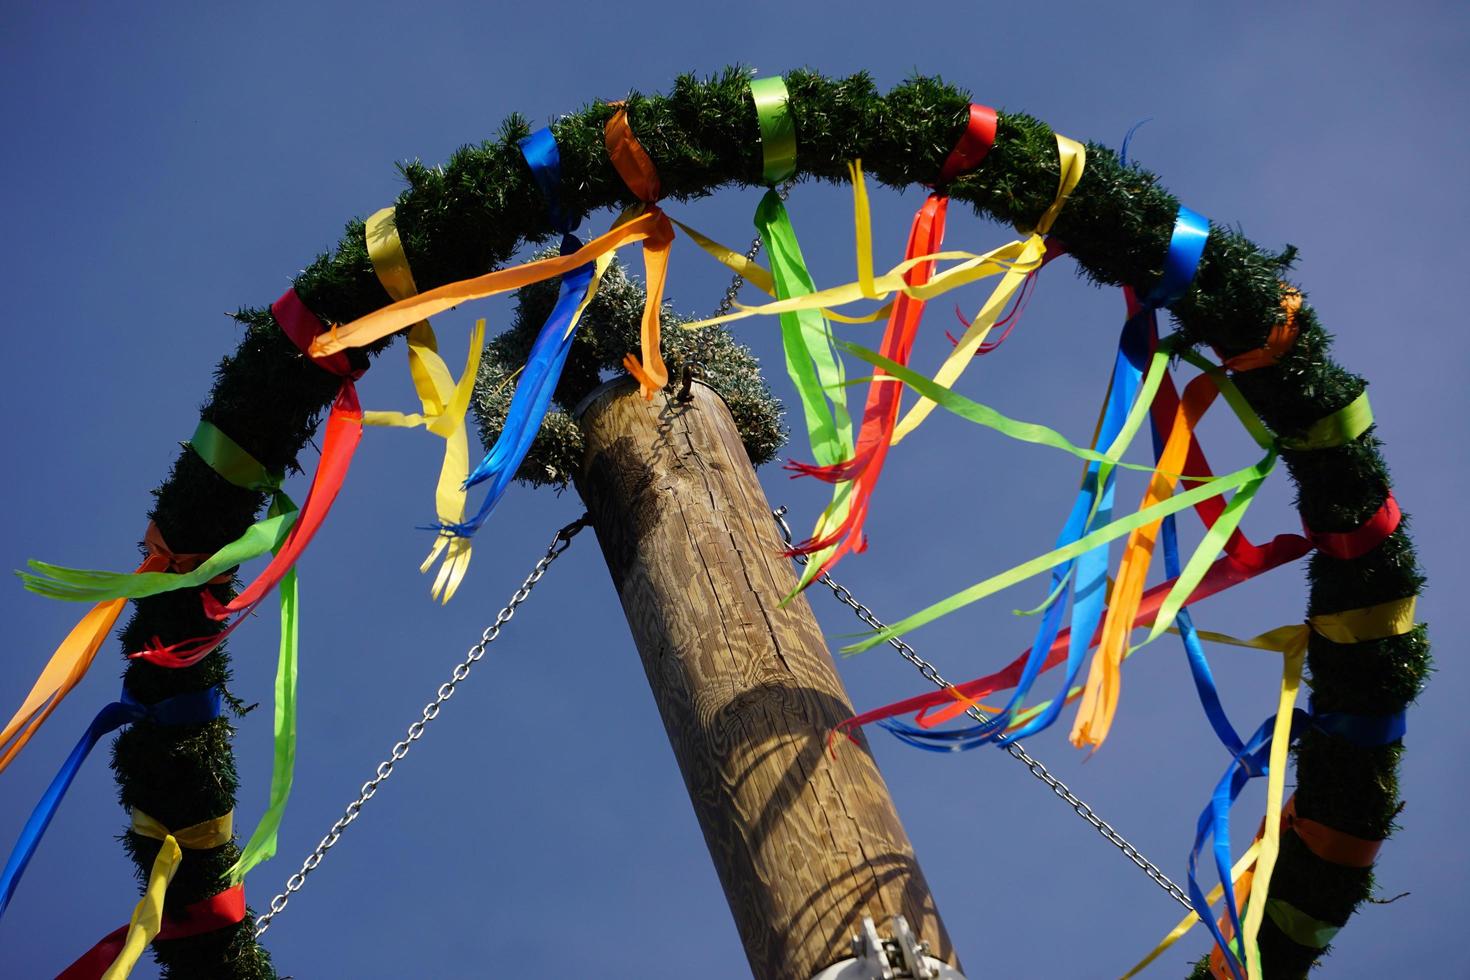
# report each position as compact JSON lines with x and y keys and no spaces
{"x":445,"y":402}
{"x":548,"y":356}
{"x":209,"y":915}
{"x":191,"y":708}
{"x":1249,"y":475}
{"x":1014,"y":262}
{"x":880,"y":413}
{"x":812,"y":363}
{"x":147,"y":920}
{"x":341,"y":435}
{"x":1266,"y":753}
{"x":1072,"y":159}
{"x":1100,"y":697}
{"x":634,"y":165}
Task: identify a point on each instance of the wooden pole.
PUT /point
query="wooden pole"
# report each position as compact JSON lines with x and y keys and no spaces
{"x":805,"y":845}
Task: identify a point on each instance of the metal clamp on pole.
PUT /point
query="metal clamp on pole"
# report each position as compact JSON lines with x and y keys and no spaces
{"x":903,"y":957}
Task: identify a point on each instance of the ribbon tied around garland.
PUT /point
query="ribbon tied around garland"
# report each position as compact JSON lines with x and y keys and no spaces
{"x":548,"y":356}
{"x":857,"y":475}
{"x":191,"y":708}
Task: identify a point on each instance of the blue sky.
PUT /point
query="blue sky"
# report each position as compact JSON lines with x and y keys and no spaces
{"x":170,"y":164}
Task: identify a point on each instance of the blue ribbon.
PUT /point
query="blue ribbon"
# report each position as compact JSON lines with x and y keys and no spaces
{"x":1365,"y":731}
{"x":538,"y":381}
{"x":1092,"y":509}
{"x":1250,"y":761}
{"x":193,"y":708}
{"x":1214,"y":822}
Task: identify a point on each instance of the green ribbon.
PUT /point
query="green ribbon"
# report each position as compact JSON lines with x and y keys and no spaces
{"x":1031,"y":432}
{"x":230,"y":460}
{"x":227,"y":458}
{"x":1300,"y":928}
{"x":1337,"y":429}
{"x":94,"y":585}
{"x":262,"y":844}
{"x":1111,"y":532}
{"x":806,"y":337}
{"x":778,"y":128}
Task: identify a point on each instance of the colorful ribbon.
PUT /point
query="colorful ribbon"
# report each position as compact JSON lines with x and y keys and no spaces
{"x":1337,"y":429}
{"x":634,"y":165}
{"x":445,"y":402}
{"x":1347,"y":545}
{"x":192,"y":708}
{"x":217,"y":912}
{"x":548,"y":356}
{"x":812,"y":363}
{"x":147,"y":920}
{"x":1278,"y":341}
{"x":880,"y":414}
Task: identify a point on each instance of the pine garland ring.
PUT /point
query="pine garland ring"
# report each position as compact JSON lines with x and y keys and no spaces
{"x":473,"y":214}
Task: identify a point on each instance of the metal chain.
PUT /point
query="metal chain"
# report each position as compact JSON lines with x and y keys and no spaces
{"x":559,"y":544}
{"x":1013,"y":749}
{"x":733,"y":290}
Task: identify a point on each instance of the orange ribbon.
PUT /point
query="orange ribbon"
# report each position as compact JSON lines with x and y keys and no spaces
{"x":1104,"y":679}
{"x":66,"y":668}
{"x":634,"y":165}
{"x":1278,"y":341}
{"x":181,"y":563}
{"x":1329,"y":844}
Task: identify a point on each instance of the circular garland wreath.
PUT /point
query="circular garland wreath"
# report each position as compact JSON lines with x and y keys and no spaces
{"x":471,"y":215}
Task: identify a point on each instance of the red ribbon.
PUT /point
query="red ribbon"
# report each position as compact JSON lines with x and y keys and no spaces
{"x":880,"y":414}
{"x":1346,"y":545}
{"x":223,"y":910}
{"x":1226,"y":572}
{"x":343,"y":432}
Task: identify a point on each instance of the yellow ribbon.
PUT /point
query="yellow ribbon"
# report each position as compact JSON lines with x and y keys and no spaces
{"x":1073,"y":158}
{"x":1393,"y":618}
{"x":1192,"y":919}
{"x":1013,"y":262}
{"x":445,"y":402}
{"x":147,"y":917}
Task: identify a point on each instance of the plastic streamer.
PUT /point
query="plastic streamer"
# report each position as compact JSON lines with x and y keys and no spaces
{"x":65,"y":670}
{"x":548,"y":356}
{"x":192,"y":708}
{"x":636,"y":168}
{"x":1072,"y":158}
{"x":217,"y":912}
{"x":1014,"y":262}
{"x":147,"y":918}
{"x":444,"y":401}
{"x":1091,"y":510}
{"x":880,"y":413}
{"x":812,"y":363}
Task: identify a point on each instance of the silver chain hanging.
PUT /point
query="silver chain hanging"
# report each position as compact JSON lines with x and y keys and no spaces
{"x":1013,"y":749}
{"x":559,"y":544}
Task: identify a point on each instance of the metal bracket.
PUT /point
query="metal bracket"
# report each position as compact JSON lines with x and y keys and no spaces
{"x":903,"y":957}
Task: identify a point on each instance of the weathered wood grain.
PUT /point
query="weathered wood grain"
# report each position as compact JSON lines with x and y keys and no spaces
{"x":805,"y":844}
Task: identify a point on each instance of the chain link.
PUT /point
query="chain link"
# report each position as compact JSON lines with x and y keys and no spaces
{"x":727,"y":302}
{"x":1013,"y":749}
{"x":559,"y":544}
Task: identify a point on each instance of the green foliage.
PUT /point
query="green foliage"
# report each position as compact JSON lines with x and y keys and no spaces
{"x":476,"y":211}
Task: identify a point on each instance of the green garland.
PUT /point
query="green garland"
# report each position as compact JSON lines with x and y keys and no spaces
{"x":475,"y":212}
